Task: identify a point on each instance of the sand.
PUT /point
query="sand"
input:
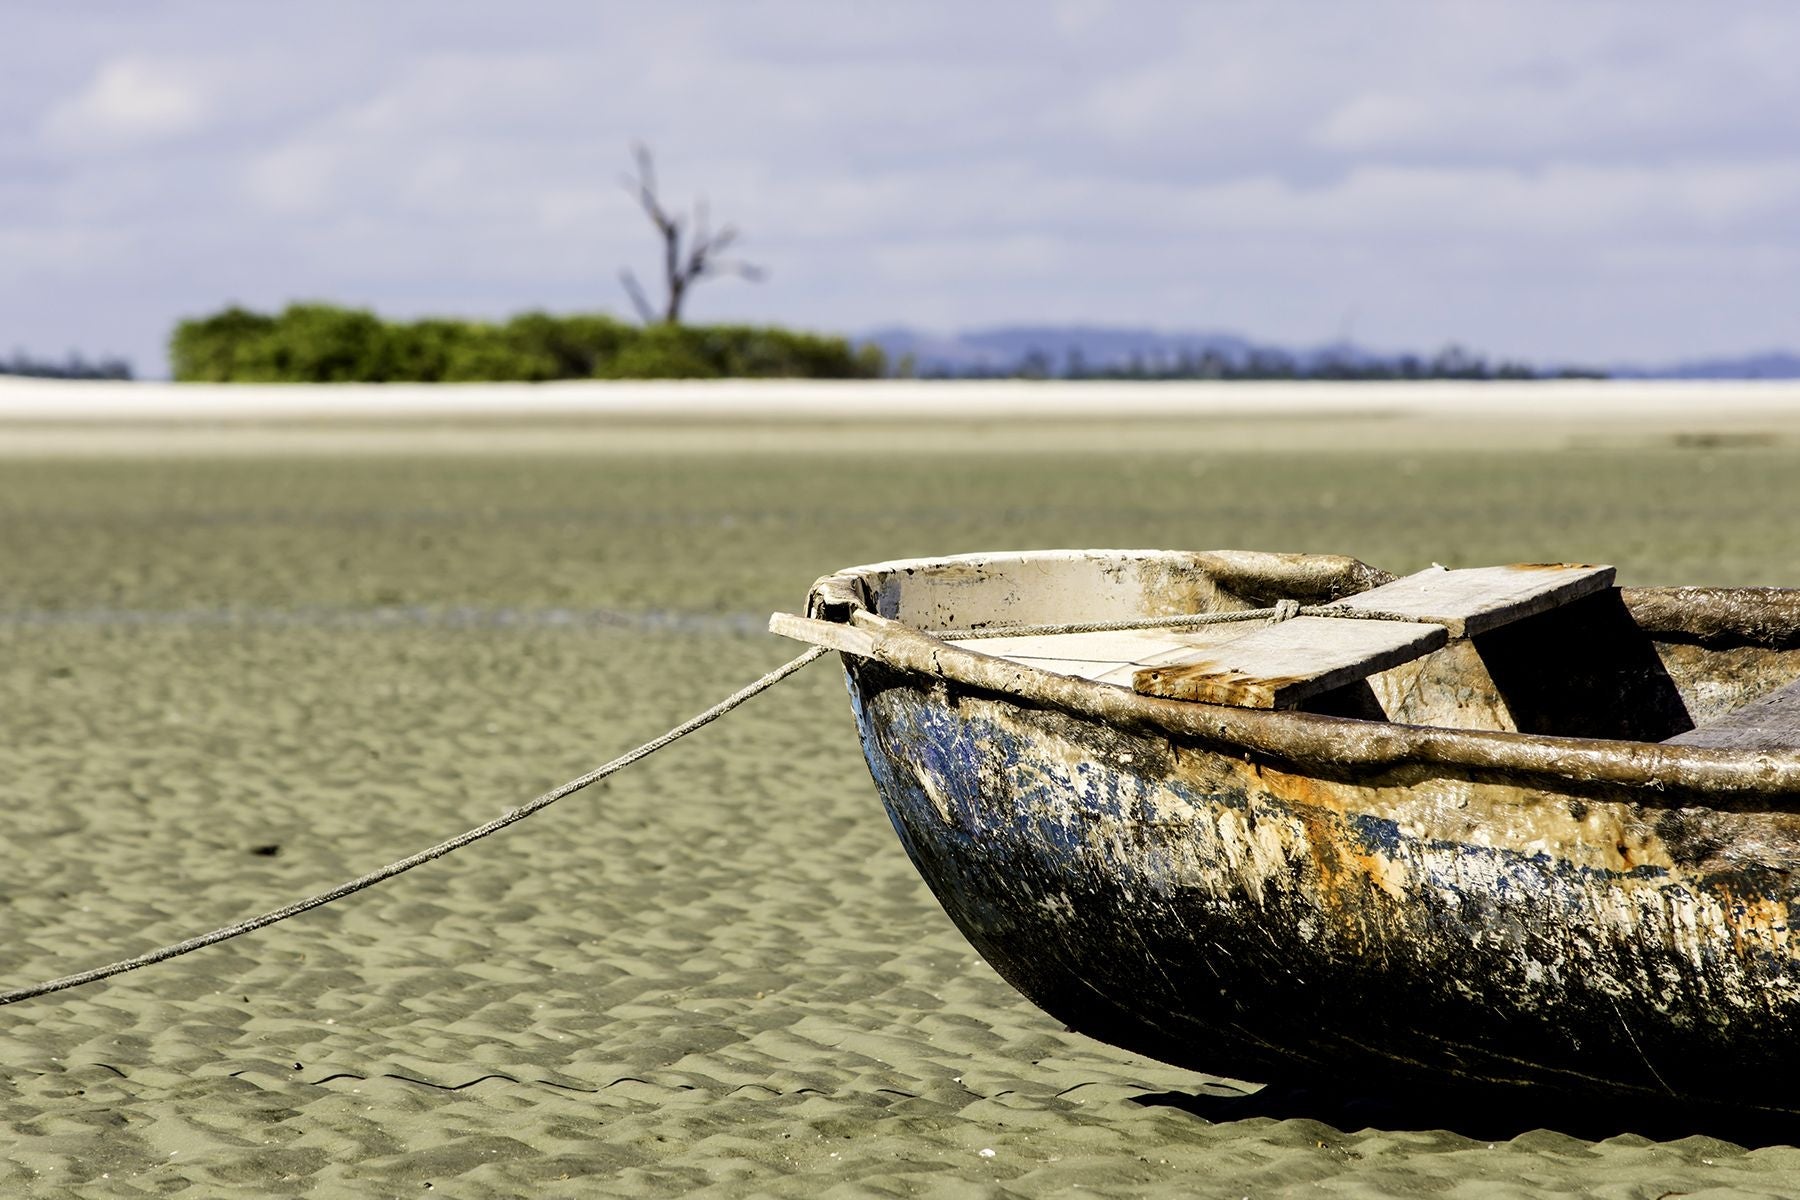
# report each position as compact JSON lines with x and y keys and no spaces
{"x":231,"y":679}
{"x":820,"y":418}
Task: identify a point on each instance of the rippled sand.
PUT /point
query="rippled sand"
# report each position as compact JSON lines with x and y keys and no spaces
{"x":228,"y":681}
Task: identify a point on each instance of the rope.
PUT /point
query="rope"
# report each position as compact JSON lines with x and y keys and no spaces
{"x":512,"y":816}
{"x":1283,"y":610}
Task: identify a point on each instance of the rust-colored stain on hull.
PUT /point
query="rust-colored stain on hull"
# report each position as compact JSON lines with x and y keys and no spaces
{"x":1231,"y":916}
{"x":1294,"y":896}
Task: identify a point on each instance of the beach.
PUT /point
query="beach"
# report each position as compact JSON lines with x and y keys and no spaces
{"x":253,"y":642}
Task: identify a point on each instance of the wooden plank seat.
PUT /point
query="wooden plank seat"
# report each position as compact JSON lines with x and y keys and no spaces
{"x":1281,"y":665}
{"x":1474,"y":600}
{"x":1771,"y":723}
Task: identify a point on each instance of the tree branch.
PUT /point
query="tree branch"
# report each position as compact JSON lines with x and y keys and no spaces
{"x":638,"y":300}
{"x":679,"y":271}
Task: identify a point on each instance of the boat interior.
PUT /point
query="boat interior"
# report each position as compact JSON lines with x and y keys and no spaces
{"x":1549,"y":649}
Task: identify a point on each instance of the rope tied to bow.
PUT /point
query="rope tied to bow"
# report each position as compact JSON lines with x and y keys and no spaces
{"x":1282,"y":610}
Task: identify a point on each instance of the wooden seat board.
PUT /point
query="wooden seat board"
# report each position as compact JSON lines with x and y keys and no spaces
{"x":1280,"y":665}
{"x":1470,"y":601}
{"x":1771,"y":723}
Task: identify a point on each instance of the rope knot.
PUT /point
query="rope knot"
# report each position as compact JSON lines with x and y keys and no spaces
{"x":1286,"y":610}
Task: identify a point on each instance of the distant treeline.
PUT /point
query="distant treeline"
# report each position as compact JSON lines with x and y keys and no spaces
{"x":322,"y":343}
{"x":72,"y":367}
{"x":1453,"y":362}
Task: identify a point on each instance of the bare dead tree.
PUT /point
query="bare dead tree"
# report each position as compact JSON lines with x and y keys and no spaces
{"x":683,"y":266}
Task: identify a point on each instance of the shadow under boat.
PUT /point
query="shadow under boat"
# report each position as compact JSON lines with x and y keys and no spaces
{"x":1484,"y":1114}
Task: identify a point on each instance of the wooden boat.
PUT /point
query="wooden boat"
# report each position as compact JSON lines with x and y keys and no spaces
{"x":1503,"y":826}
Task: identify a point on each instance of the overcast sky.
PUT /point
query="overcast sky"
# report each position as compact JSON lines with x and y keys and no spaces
{"x":1590,"y":181}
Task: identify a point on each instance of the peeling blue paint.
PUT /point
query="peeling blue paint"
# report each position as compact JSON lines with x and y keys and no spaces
{"x":1070,"y":875}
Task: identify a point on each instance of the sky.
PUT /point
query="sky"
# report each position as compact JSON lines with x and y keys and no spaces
{"x":1589,"y":182}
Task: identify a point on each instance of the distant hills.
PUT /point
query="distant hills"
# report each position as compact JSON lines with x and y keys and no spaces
{"x":1776,"y":364}
{"x":1006,"y":350}
{"x":1061,"y":351}
{"x":1116,"y":352}
{"x":72,"y":367}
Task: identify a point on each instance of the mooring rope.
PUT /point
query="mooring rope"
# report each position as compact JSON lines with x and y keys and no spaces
{"x":250,"y":925}
{"x":1282,"y":610}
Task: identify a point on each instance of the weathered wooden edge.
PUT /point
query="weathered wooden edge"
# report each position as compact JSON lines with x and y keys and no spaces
{"x":845,"y":639}
{"x":1596,"y":578}
{"x":1204,"y":682}
{"x":1302,"y":738}
{"x":1712,"y":616}
{"x":1257,"y":577}
{"x":1718,"y":616}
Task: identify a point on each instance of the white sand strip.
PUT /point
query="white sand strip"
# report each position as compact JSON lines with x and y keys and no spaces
{"x":889,"y":400}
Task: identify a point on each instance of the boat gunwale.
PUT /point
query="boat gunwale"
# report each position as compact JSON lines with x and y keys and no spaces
{"x":1666,"y":774}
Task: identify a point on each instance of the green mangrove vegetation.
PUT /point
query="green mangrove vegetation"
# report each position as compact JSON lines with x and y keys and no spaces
{"x":325,"y":343}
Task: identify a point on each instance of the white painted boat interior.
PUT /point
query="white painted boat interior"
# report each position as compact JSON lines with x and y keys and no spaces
{"x":1584,"y":668}
{"x":1254,"y":663}
{"x":1113,"y":657}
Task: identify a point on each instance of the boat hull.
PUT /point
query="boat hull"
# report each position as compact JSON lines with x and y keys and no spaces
{"x":1244,"y":914}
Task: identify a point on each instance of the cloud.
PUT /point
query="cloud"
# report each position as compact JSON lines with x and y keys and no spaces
{"x":294,"y":179}
{"x":1522,"y":176}
{"x":130,"y":100}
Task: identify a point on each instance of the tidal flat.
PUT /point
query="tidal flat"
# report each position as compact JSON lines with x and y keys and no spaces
{"x":230,"y":679}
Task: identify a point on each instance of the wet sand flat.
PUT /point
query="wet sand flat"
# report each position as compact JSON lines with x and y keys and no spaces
{"x":234,"y":677}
